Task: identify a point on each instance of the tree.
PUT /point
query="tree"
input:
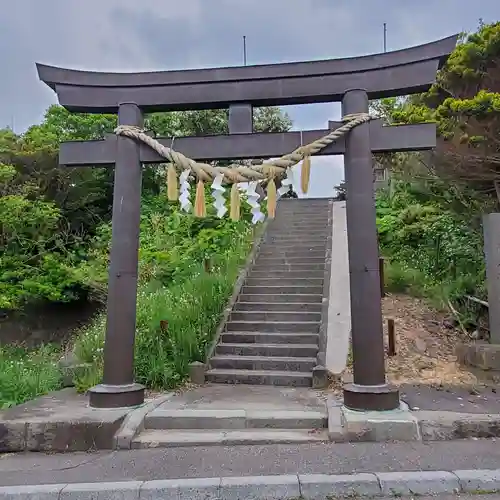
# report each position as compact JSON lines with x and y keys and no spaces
{"x":465,"y":104}
{"x":51,"y":216}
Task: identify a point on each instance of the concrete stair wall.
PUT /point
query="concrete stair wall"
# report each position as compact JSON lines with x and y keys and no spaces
{"x":272,"y":336}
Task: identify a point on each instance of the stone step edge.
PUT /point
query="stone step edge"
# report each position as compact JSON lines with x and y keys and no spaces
{"x":290,"y":359}
{"x":305,"y":486}
{"x":301,"y":323}
{"x":285,"y":313}
{"x":239,"y":345}
{"x":247,"y":302}
{"x":264,"y":373}
{"x":264,"y":414}
{"x":155,"y":438}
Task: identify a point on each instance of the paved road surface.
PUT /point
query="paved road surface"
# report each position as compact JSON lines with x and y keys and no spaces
{"x":173,"y":463}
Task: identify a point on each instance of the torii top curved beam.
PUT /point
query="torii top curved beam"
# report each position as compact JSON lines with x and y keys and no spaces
{"x":388,"y":74}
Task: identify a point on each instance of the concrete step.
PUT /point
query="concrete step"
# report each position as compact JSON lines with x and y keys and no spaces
{"x":284,"y":281}
{"x":270,"y":298}
{"x":289,"y":316}
{"x":295,"y":246}
{"x":312,"y":211}
{"x":283,"y":221}
{"x":260,"y":377}
{"x":279,"y":350}
{"x":299,"y":254}
{"x":280,"y":290}
{"x":278,"y":307}
{"x":280,"y":267}
{"x":301,"y":364}
{"x":176,"y":438}
{"x":254,"y":337}
{"x":286,"y":228}
{"x":313,"y":232}
{"x":273,"y":326}
{"x":276,"y":260}
{"x":297,"y":237}
{"x":291,"y":219}
{"x":281,"y":274}
{"x":232,"y":419}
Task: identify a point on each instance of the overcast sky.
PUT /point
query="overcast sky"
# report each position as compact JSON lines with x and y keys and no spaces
{"x":131,"y":35}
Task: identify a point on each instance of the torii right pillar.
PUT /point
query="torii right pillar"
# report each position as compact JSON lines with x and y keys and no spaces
{"x":369,"y":390}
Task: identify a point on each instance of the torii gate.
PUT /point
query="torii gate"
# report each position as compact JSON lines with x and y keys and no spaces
{"x":353,"y":81}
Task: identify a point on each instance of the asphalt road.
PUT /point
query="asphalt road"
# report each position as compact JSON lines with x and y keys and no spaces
{"x":333,"y":458}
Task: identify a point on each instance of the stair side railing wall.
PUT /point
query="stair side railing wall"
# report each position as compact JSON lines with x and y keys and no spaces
{"x":323,"y":330}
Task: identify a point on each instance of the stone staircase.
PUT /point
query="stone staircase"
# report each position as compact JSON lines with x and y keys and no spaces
{"x":261,"y":373}
{"x":272,"y":334}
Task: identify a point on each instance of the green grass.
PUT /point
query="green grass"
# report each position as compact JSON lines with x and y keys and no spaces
{"x":192,"y":305}
{"x":192,"y":309}
{"x":26,"y":374}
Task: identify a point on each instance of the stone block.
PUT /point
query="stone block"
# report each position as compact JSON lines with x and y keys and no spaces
{"x":69,"y":373}
{"x":123,"y":490}
{"x":319,"y":377}
{"x":479,"y":355}
{"x":12,"y":436}
{"x":335,"y":430}
{"x":186,"y":418}
{"x":182,"y":489}
{"x":31,"y":492}
{"x":418,"y":483}
{"x":448,"y":425}
{"x":197,"y":373}
{"x":58,"y":435}
{"x":394,"y":425}
{"x":321,"y":486}
{"x":479,"y":481}
{"x":258,"y":488}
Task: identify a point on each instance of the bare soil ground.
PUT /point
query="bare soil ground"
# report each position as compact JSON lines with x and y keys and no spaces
{"x":425,"y":367}
{"x":425,"y":345}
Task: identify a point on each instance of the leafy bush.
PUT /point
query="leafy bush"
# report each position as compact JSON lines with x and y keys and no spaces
{"x":433,"y":252}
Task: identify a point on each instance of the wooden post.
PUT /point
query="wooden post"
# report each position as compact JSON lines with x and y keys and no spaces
{"x":391,"y":335}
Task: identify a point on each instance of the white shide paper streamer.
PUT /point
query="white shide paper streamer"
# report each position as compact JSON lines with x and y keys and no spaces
{"x":286,"y":183}
{"x":218,"y":194}
{"x":253,"y":201}
{"x":184,"y":191}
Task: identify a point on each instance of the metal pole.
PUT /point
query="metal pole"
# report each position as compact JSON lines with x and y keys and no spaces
{"x":385,"y":37}
{"x":118,"y":388}
{"x":369,"y":390}
{"x":244,"y":50}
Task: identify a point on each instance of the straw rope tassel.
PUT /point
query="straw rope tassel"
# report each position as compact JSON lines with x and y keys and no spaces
{"x":200,"y":209}
{"x":235,"y":203}
{"x":271,"y":199}
{"x":305,"y":174}
{"x":172,"y":183}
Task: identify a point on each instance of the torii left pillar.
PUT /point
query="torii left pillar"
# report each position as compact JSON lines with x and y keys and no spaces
{"x":118,"y":388}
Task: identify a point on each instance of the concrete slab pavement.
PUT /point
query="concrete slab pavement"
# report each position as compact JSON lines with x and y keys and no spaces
{"x":290,"y":486}
{"x":224,"y":461}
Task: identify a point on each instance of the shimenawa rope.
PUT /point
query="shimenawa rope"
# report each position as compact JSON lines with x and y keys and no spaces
{"x":241,"y":173}
{"x":235,"y":173}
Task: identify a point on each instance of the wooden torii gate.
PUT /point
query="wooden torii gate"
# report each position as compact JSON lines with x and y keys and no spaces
{"x":353,"y":81}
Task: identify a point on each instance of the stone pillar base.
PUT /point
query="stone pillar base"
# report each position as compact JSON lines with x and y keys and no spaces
{"x":479,"y":355}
